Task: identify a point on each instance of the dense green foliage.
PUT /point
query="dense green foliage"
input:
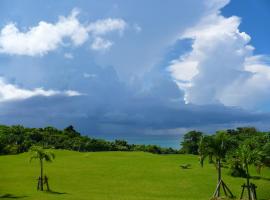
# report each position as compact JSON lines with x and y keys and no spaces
{"x":256,"y":143}
{"x":18,"y":139}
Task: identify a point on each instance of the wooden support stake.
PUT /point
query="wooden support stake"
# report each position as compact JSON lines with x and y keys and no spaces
{"x":251,"y":191}
{"x":227,"y":188}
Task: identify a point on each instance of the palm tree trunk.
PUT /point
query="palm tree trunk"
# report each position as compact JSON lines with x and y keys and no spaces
{"x":248,"y":183}
{"x":41,"y":174}
{"x":211,"y":158}
{"x":219,"y":175}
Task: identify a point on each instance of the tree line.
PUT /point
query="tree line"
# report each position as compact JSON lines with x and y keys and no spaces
{"x":18,"y":139}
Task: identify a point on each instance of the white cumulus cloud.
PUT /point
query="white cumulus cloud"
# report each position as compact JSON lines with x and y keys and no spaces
{"x":222,"y":67}
{"x":46,"y":37}
{"x":10,"y":92}
{"x":68,"y":56}
{"x":87,"y":75}
{"x":101,"y":44}
{"x":102,"y":27}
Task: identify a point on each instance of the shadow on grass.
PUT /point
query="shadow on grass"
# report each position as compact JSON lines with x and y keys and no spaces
{"x":185,"y":166}
{"x":55,"y":192}
{"x":11,"y":196}
{"x":259,"y":177}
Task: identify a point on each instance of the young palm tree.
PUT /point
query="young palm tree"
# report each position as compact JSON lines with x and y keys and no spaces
{"x":42,"y":155}
{"x":216,"y":147}
{"x":247,"y":155}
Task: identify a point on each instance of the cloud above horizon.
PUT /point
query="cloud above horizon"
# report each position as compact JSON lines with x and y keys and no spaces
{"x":45,"y":37}
{"x":221,"y":67}
{"x":11,"y":92}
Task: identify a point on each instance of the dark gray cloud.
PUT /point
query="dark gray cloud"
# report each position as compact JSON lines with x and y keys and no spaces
{"x":109,"y":106}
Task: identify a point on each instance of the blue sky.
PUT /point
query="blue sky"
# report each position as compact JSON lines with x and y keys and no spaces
{"x":145,"y":71}
{"x":254,"y":16}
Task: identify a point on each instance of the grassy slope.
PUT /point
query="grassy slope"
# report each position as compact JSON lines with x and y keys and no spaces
{"x":116,"y":176}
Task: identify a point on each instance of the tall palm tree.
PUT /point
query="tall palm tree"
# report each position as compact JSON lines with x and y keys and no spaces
{"x":42,"y":155}
{"x":215,"y":148}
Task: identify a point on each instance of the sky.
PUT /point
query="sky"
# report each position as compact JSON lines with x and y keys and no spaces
{"x":144,"y":71}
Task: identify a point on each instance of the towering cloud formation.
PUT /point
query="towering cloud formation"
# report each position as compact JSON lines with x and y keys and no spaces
{"x":221,"y":67}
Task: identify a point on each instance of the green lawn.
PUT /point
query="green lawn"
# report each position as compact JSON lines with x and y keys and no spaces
{"x":117,"y":176}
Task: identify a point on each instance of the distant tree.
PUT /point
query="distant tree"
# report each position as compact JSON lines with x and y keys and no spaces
{"x":71,"y":131}
{"x":122,"y":145}
{"x":121,"y":142}
{"x":248,"y":131}
{"x":153,"y":149}
{"x":42,"y":155}
{"x":190,"y":144}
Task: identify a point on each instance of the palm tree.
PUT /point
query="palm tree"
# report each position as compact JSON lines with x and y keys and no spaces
{"x":215,"y":148}
{"x":248,"y":155}
{"x":42,"y":155}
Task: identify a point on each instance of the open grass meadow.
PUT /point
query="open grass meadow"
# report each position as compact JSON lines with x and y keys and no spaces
{"x":117,"y":176}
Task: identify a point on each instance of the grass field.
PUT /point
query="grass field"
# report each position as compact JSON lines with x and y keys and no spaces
{"x":116,"y":176}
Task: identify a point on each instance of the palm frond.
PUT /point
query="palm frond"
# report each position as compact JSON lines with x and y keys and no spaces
{"x":38,"y":152}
